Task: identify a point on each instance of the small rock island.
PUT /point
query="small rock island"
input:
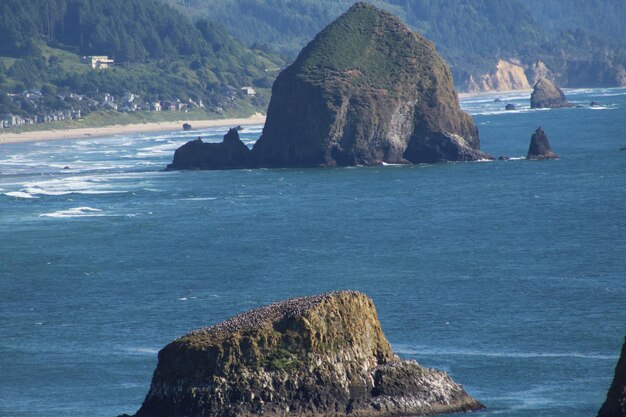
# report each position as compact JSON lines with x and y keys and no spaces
{"x":546,"y":95}
{"x":615,"y":404}
{"x":323,"y":355}
{"x":366,"y":91}
{"x":540,"y":147}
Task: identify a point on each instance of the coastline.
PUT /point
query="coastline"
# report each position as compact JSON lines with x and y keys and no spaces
{"x":96,"y":132}
{"x":494,"y":92}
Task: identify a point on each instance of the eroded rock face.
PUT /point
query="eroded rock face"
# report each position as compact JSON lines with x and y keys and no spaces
{"x":615,"y":404}
{"x":540,"y":147}
{"x":366,"y":90}
{"x":506,"y":76}
{"x":323,"y":355}
{"x":231,"y":153}
{"x":547,"y":95}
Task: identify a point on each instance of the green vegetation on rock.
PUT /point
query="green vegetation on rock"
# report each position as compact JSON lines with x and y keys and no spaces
{"x":322,"y":355}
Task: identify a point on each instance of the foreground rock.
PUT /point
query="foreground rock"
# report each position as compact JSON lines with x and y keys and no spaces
{"x":615,"y":404}
{"x":547,"y":95}
{"x":323,"y":355}
{"x":232,"y":153}
{"x":366,"y":91}
{"x":540,"y":147}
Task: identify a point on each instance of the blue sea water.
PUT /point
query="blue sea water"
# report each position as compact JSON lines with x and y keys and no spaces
{"x":510,"y":275}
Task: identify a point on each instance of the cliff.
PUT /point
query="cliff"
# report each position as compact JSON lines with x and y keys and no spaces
{"x":322,"y":355}
{"x":615,"y":404}
{"x":547,"y":95}
{"x":506,"y":76}
{"x":540,"y":147}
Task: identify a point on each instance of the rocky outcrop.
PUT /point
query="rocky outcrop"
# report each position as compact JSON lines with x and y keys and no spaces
{"x":547,"y":95}
{"x":323,"y":355}
{"x":366,"y":91}
{"x":615,"y":404}
{"x":231,"y":153}
{"x":508,"y":75}
{"x":510,"y":107}
{"x":540,"y":147}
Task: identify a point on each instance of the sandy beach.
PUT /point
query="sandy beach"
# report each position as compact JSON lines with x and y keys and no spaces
{"x":91,"y":132}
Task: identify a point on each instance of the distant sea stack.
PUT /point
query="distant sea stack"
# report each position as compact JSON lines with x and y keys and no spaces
{"x":232,"y":153}
{"x":322,"y":355}
{"x":366,"y":91}
{"x":615,"y":404}
{"x":547,"y":95}
{"x":540,"y":147}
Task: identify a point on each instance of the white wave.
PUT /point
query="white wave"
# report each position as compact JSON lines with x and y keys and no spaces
{"x":517,"y":355}
{"x":75,"y":212}
{"x":72,"y":185}
{"x":199,"y":198}
{"x":20,"y":194}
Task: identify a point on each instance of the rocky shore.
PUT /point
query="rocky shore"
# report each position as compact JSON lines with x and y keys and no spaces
{"x":324,"y":355}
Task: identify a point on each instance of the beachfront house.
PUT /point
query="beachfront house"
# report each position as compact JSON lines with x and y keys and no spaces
{"x":155,"y":106}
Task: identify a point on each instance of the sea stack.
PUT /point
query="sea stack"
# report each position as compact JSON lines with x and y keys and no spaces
{"x":540,"y":146}
{"x":615,"y":404}
{"x":323,"y":355}
{"x":366,"y":91}
{"x":231,"y":153}
{"x":547,"y":95}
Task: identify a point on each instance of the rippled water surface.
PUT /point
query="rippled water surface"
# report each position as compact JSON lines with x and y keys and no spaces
{"x":510,"y":275}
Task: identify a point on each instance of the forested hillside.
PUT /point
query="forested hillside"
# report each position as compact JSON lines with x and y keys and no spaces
{"x":158,"y":54}
{"x":581,"y":42}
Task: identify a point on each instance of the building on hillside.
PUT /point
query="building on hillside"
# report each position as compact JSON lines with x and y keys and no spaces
{"x":155,"y":106}
{"x":98,"y":61}
{"x":249,"y":91}
{"x":168,"y":106}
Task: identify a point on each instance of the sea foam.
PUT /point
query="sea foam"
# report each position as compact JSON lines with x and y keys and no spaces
{"x":75,"y":212}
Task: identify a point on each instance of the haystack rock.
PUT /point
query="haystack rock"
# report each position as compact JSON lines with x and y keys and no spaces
{"x":615,"y":404}
{"x":540,"y":147}
{"x":231,"y":153}
{"x":547,"y":95}
{"x":366,"y":91}
{"x":322,"y":355}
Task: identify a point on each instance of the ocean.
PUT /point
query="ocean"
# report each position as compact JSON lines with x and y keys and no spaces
{"x":510,"y":275}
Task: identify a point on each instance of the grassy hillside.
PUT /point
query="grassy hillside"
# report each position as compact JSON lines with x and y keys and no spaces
{"x":159,"y":54}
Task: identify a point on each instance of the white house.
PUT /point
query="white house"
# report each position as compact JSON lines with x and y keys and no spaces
{"x":249,"y":91}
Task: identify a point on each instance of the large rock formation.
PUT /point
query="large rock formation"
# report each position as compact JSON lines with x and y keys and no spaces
{"x":547,"y":95}
{"x":540,"y":147}
{"x":231,"y":153}
{"x":615,"y":404}
{"x":366,"y":90}
{"x":323,"y":355}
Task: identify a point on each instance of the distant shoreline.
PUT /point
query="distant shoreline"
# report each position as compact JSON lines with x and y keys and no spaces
{"x":95,"y":132}
{"x":486,"y":93}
